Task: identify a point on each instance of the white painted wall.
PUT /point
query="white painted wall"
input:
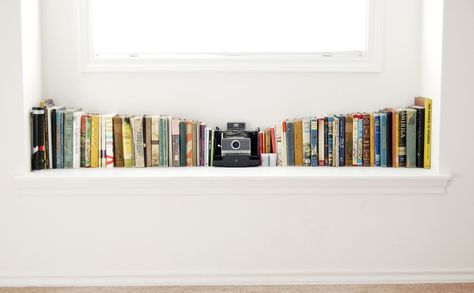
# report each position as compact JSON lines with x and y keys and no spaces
{"x":90,"y":239}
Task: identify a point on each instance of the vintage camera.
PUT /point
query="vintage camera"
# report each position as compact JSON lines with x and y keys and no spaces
{"x":236,"y":147}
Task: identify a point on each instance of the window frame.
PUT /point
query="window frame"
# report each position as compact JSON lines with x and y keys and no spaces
{"x":372,"y":61}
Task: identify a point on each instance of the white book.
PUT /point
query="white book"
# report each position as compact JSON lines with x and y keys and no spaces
{"x":278,"y":139}
{"x":206,"y":148}
{"x":76,"y":140}
{"x":272,"y":160}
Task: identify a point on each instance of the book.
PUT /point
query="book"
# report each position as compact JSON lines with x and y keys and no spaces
{"x":360,"y":140}
{"x":372,"y":140}
{"x":335,"y":148}
{"x":298,"y":142}
{"x":53,"y":151}
{"x":118,"y":141}
{"x":175,"y":142}
{"x":306,"y":137}
{"x":321,"y":142}
{"x":155,"y":141}
{"x":314,"y":142}
{"x":268,"y":141}
{"x":383,"y":140}
{"x":273,"y":140}
{"x":330,"y":142}
{"x":395,"y":136}
{"x":355,"y":140}
{"x":76,"y":155}
{"x":211,"y":146}
{"x":69,"y":138}
{"x":137,"y":141}
{"x":103,"y":158}
{"x":195,"y":144}
{"x":389,"y":138}
{"x":109,"y":141}
{"x":182,"y":143}
{"x":411,"y":138}
{"x":147,"y":126}
{"x":85,"y":141}
{"x":420,"y":135}
{"x":366,"y":140}
{"x":128,"y":160}
{"x":342,"y":140}
{"x":427,"y":105}
{"x":202,"y":137}
{"x":278,"y":141}
{"x":326,"y":142}
{"x":290,"y":143}
{"x":189,"y":143}
{"x":377,"y":139}
{"x":169,"y":141}
{"x":402,"y":138}
{"x":348,"y":140}
{"x":284,"y":151}
{"x":163,"y":142}
{"x":60,"y":138}
{"x":37,"y":117}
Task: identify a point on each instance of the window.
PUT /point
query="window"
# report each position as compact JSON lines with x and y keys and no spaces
{"x":231,"y":34}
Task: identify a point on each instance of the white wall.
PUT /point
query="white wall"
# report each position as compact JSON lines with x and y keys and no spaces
{"x":80,"y":239}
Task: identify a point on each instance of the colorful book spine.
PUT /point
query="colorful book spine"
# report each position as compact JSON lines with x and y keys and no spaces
{"x":428,"y":106}
{"x":137,"y":141}
{"x":383,"y":140}
{"x":175,"y":142}
{"x":314,"y":142}
{"x":321,"y":142}
{"x":395,"y":138}
{"x":377,"y":139}
{"x":109,"y":142}
{"x":195,"y":144}
{"x":118,"y":141}
{"x":348,"y":140}
{"x":330,"y":141}
{"x":306,"y":142}
{"x":360,"y":140}
{"x":290,"y":143}
{"x":372,"y":140}
{"x":342,"y":140}
{"x":83,"y":140}
{"x":68,"y":138}
{"x":298,"y":142}
{"x":335,"y":147}
{"x":127,"y":143}
{"x":76,"y":155}
{"x":155,"y":141}
{"x":366,"y":140}
{"x":284,"y":138}
{"x":147,"y":126}
{"x":402,"y":138}
{"x":182,"y":143}
{"x":355,"y":141}
{"x":189,"y":143}
{"x":411,"y":138}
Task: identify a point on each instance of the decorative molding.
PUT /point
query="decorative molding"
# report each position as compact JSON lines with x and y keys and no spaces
{"x":236,"y":278}
{"x":199,"y":181}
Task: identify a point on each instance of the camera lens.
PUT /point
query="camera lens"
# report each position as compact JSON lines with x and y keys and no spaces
{"x":235,"y":144}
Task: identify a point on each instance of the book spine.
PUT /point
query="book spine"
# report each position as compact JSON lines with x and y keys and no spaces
{"x":68,"y":139}
{"x":306,"y":142}
{"x":189,"y":143}
{"x":163,"y":142}
{"x":137,"y":136}
{"x":290,"y":143}
{"x":53,"y":139}
{"x":298,"y":142}
{"x":335,"y":148}
{"x":420,"y":137}
{"x":411,"y":139}
{"x":366,"y":140}
{"x":95,"y":141}
{"x":103,"y":142}
{"x":395,"y":138}
{"x":76,"y":157}
{"x":427,"y":136}
{"x":314,"y":142}
{"x":195,"y":144}
{"x":402,"y":139}
{"x":355,"y":141}
{"x":261,"y":143}
{"x":348,"y":141}
{"x":284,"y":150}
{"x":59,"y":137}
{"x":278,"y":140}
{"x":155,"y":141}
{"x":83,"y":140}
{"x":268,"y":142}
{"x":88,"y":142}
{"x":342,"y":140}
{"x":377,"y":139}
{"x":49,"y":137}
{"x":326,"y":142}
{"x":330,"y":141}
{"x":202,"y":136}
{"x":207,"y":147}
{"x":389,"y":138}
{"x":211,"y":159}
{"x":360,"y":140}
{"x":38,"y":130}
{"x":372,"y":140}
{"x":321,"y":138}
{"x":109,"y":142}
{"x":118,"y":142}
{"x":170,"y":140}
{"x":182,"y":143}
{"x":149,"y":144}
{"x":273,"y":140}
{"x":127,"y":143}
{"x":383,"y":140}
{"x":175,"y":142}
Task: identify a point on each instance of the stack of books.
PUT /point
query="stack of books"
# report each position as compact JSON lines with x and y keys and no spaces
{"x":71,"y":138}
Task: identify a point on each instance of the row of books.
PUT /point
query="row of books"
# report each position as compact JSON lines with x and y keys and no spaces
{"x":72,"y":138}
{"x":392,"y":137}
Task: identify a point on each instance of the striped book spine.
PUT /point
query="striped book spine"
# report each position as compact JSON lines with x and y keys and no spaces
{"x":335,"y":142}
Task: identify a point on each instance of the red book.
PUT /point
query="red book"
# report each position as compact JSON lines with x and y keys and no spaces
{"x":260,"y":142}
{"x":272,"y":137}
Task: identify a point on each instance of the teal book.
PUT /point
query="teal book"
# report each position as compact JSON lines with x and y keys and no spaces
{"x":60,"y":138}
{"x":182,"y":143}
{"x":411,"y":138}
{"x":163,"y":142}
{"x":383,"y":139}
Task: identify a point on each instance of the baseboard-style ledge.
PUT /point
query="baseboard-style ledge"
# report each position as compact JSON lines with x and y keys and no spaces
{"x":240,"y":181}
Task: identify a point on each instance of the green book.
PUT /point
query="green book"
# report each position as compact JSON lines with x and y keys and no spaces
{"x":163,"y":142}
{"x":68,"y":137}
{"x":411,"y":138}
{"x":182,"y":143}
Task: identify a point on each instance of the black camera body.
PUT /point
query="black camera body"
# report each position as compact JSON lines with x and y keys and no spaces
{"x":236,"y":147}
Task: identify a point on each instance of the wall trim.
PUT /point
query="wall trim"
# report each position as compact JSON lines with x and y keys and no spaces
{"x":235,"y":278}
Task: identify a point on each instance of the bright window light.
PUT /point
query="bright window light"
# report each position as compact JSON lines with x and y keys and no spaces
{"x":154,"y":27}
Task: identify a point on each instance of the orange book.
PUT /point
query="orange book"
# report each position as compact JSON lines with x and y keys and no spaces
{"x":189,"y":143}
{"x":298,"y":140}
{"x":273,"y":139}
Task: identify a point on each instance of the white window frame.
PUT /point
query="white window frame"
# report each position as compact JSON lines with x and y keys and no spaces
{"x":271,"y":62}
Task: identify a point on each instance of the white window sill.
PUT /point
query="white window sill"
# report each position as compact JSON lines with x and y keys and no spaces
{"x":240,"y":181}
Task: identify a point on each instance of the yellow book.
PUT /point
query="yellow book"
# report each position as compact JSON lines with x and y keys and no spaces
{"x":95,"y":141}
{"x":372,"y":140}
{"x":428,"y":105}
{"x":127,"y":143}
{"x":298,"y":140}
{"x":396,"y":135}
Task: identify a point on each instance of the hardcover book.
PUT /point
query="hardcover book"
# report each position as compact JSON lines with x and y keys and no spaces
{"x":290,"y":143}
{"x":314,"y":142}
{"x":155,"y":141}
{"x":278,"y":139}
{"x":420,"y":135}
{"x":128,"y":160}
{"x":69,"y":138}
{"x":137,"y":136}
{"x":195,"y":145}
{"x":389,"y":138}
{"x":335,"y":148}
{"x":37,"y":117}
{"x":175,"y":142}
{"x":109,"y":141}
{"x":383,"y":140}
{"x":360,"y":140}
{"x":95,"y":141}
{"x":411,"y":138}
{"x":182,"y":143}
{"x":59,"y":138}
{"x":402,"y":138}
{"x":427,"y":104}
{"x":330,"y":143}
{"x":377,"y":139}
{"x":355,"y":140}
{"x":147,"y":126}
{"x":76,"y":156}
{"x":189,"y":143}
{"x":348,"y":140}
{"x":321,"y":142}
{"x":118,"y":141}
{"x":326,"y":141}
{"x":372,"y":140}
{"x":366,"y":140}
{"x":342,"y":140}
{"x":306,"y":142}
{"x":298,"y":141}
{"x":284,"y":151}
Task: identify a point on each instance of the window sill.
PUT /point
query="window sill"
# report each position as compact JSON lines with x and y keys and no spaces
{"x":223,"y":181}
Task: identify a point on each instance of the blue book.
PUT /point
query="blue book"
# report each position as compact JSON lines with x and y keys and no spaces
{"x":383,"y":139}
{"x":314,"y":142}
{"x":290,"y":143}
{"x":342,"y":141}
{"x":60,"y":138}
{"x":360,"y":141}
{"x":330,"y":141}
{"x":377,"y":139}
